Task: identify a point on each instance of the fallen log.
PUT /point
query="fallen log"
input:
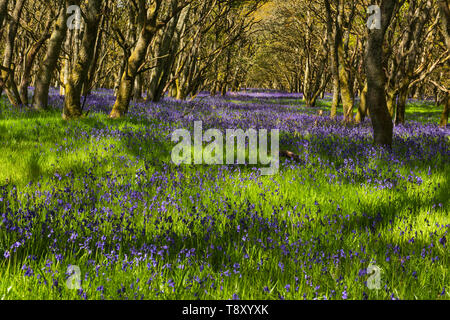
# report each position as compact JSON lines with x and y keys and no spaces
{"x":290,"y":155}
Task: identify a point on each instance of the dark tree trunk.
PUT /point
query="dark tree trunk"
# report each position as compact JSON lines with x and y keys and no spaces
{"x":376,"y":93}
{"x":3,"y":10}
{"x":401,"y":106}
{"x":445,"y":22}
{"x":88,"y":85}
{"x":7,"y":76}
{"x":444,"y":116}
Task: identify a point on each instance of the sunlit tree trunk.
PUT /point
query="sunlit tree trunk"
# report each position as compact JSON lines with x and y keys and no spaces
{"x":362,"y":109}
{"x":444,"y":117}
{"x":65,"y":70}
{"x":344,"y":82}
{"x":445,"y":22}
{"x":72,"y":103}
{"x":42,"y":85}
{"x":135,"y":61}
{"x":391,"y":101}
{"x":29,"y":61}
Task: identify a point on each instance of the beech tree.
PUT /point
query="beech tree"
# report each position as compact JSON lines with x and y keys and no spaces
{"x":444,"y":8}
{"x":151,"y":23}
{"x":7,"y":80}
{"x":78,"y":75}
{"x":376,"y":91}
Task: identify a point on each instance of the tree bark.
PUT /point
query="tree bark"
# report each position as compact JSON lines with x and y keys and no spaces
{"x":401,"y":106}
{"x":3,"y":11}
{"x":9,"y":83}
{"x":29,"y":61}
{"x":362,"y":109}
{"x":391,"y":96}
{"x":72,"y":104}
{"x":344,"y":84}
{"x":135,"y":61}
{"x":445,"y":22}
{"x":40,"y":98}
{"x":332,"y":45}
{"x":376,"y":94}
{"x":88,"y":85}
{"x":445,"y":112}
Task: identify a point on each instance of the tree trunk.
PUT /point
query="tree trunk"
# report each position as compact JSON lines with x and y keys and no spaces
{"x":336,"y":97}
{"x":135,"y":61}
{"x":362,"y":109}
{"x":40,"y":98}
{"x":88,"y":85}
{"x":444,"y":116}
{"x":72,"y":104}
{"x":401,"y":106}
{"x":346,"y":92}
{"x":138,"y":88}
{"x":376,"y":93}
{"x":29,"y":61}
{"x":9,"y":83}
{"x":65,"y":70}
{"x":344,"y":78}
{"x":445,"y":12}
{"x":3,"y":11}
{"x":445,"y":22}
{"x":391,"y":96}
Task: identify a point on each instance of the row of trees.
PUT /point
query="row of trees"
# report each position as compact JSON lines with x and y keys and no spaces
{"x":321,"y":46}
{"x":154,"y":47}
{"x":145,"y":49}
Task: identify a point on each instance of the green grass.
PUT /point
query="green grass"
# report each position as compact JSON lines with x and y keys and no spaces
{"x":300,"y":203}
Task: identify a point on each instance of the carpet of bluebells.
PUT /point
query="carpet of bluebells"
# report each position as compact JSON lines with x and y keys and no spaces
{"x":103,"y":195}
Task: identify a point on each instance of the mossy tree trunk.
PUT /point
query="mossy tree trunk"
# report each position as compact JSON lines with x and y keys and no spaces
{"x":401,"y":106}
{"x":376,"y":92}
{"x":7,"y":74}
{"x":29,"y":61}
{"x":445,"y":22}
{"x":72,"y":102}
{"x":445,"y":112}
{"x":344,"y":78}
{"x":135,"y":61}
{"x":362,"y":109}
{"x":42,"y":85}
